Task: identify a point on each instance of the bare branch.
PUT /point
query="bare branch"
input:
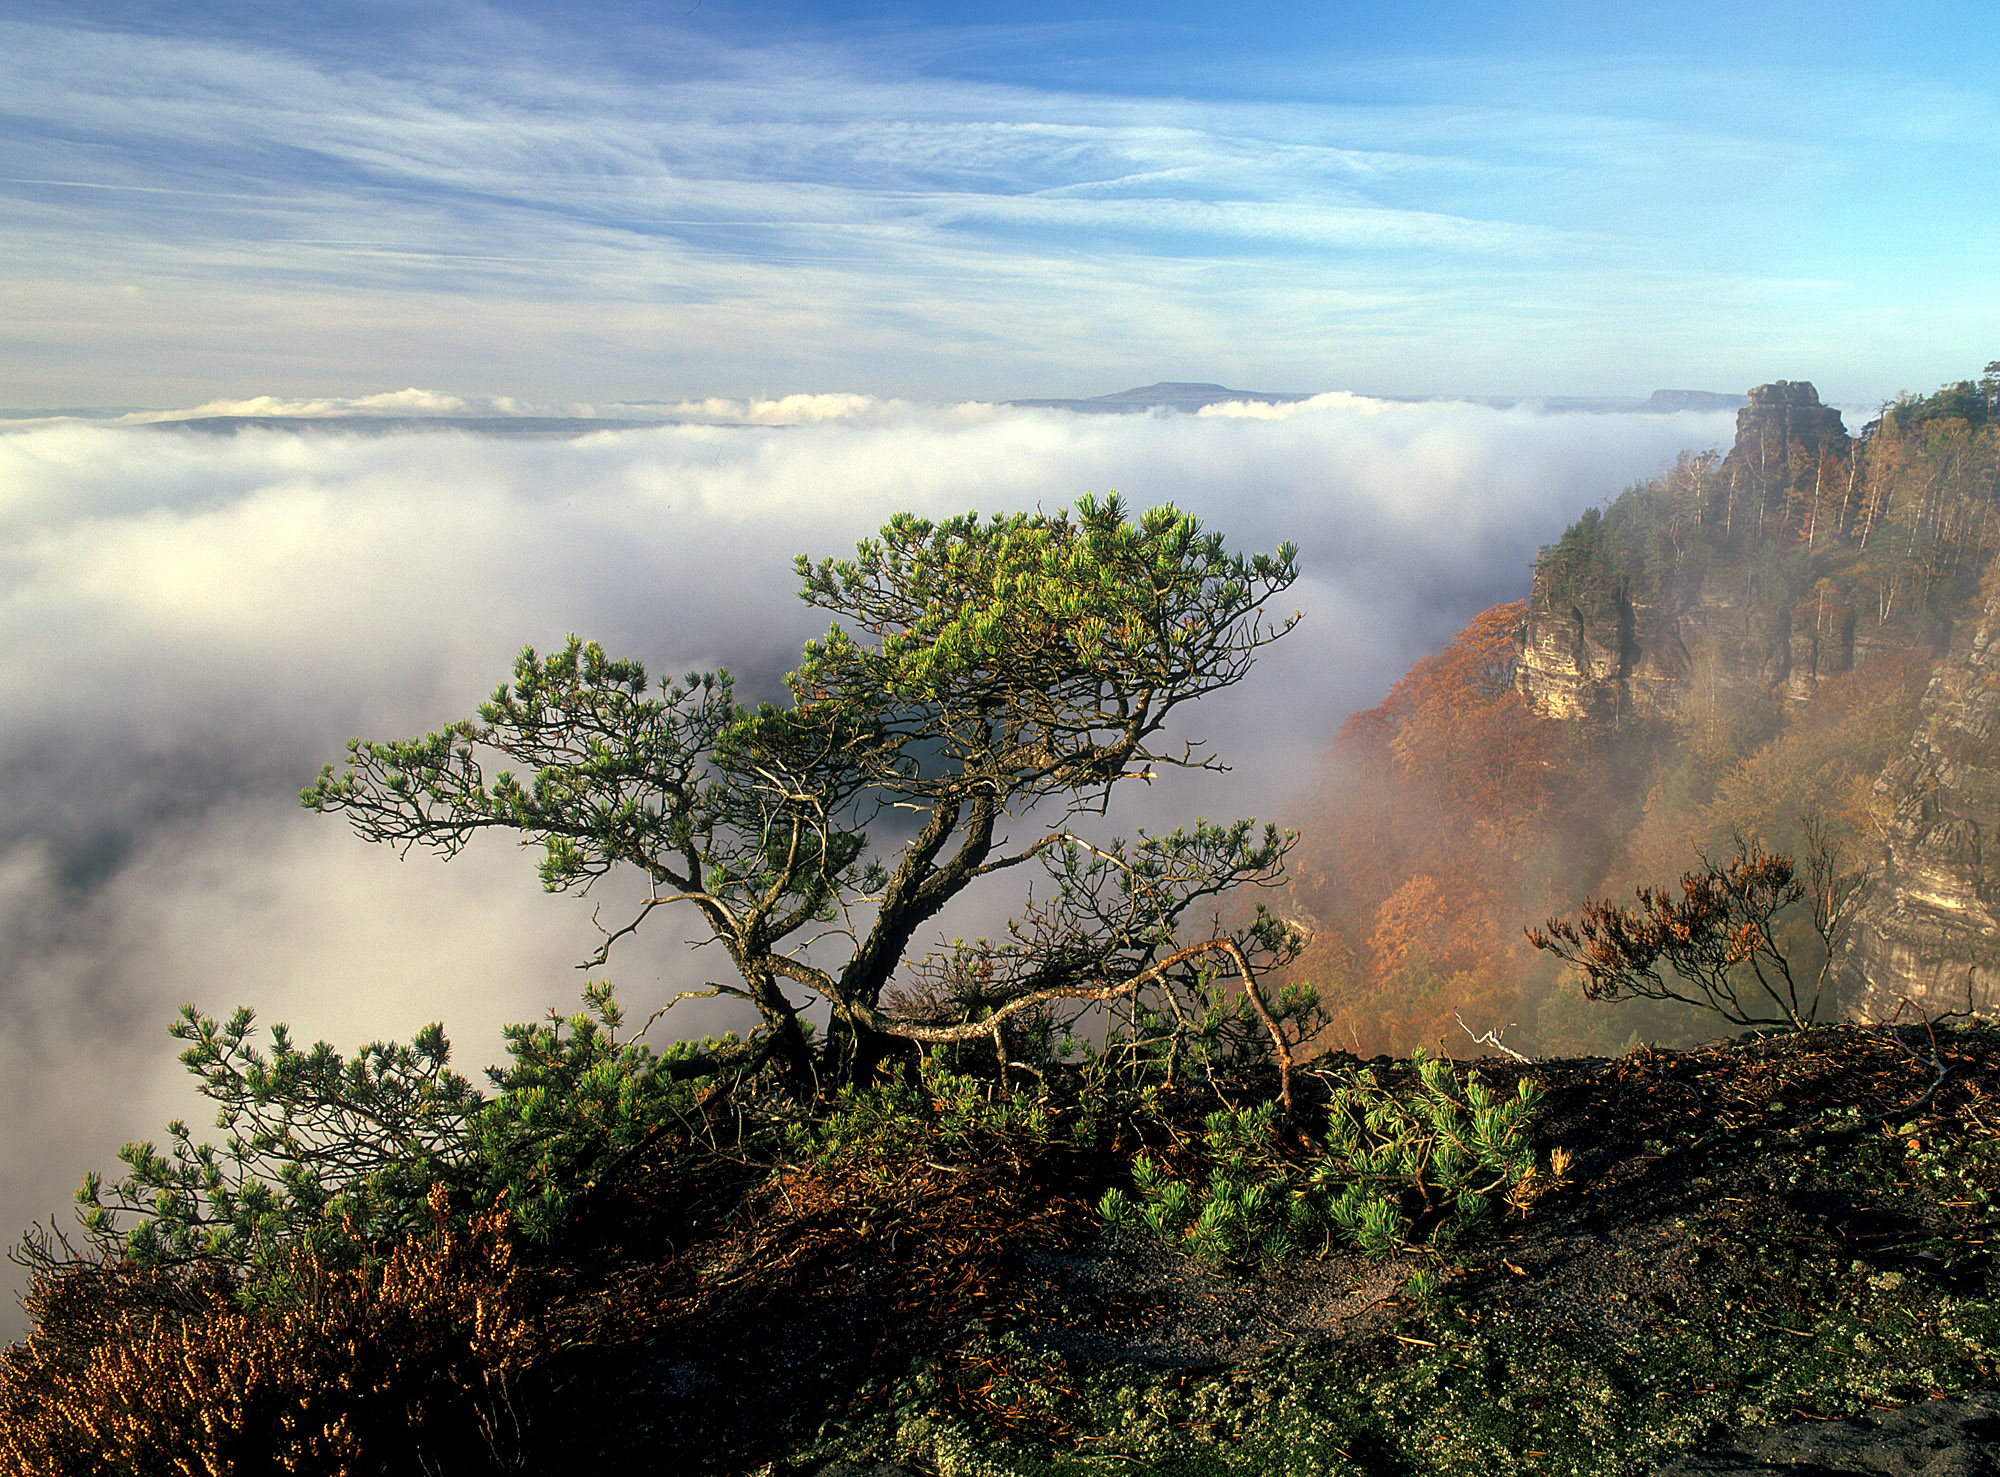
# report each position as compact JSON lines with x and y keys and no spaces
{"x":970,"y":1030}
{"x":1492,"y":1038}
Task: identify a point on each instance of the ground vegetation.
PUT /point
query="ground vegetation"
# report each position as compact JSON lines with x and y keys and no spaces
{"x":951,"y":1278}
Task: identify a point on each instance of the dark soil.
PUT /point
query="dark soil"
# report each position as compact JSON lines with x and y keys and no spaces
{"x":1935,"y":1438}
{"x":1771,"y":1230}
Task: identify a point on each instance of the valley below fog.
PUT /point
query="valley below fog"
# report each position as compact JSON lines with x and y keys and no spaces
{"x":194,"y":624}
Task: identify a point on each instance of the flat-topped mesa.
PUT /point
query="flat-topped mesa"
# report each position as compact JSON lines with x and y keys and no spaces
{"x":1607,"y":643}
{"x":1929,"y":926}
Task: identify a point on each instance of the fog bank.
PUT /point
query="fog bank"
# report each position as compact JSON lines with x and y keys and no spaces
{"x":192,"y":625}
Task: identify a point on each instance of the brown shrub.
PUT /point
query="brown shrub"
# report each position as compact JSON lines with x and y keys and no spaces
{"x":406,"y":1365}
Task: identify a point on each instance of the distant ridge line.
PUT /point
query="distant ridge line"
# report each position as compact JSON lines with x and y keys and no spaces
{"x":1170,"y":395}
{"x":1166,"y":395}
{"x":1190,"y":396}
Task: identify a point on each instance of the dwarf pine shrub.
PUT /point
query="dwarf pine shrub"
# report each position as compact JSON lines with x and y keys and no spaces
{"x":330,"y":1153}
{"x":947,"y":1112}
{"x":574,"y":1099}
{"x":1426,"y":1158}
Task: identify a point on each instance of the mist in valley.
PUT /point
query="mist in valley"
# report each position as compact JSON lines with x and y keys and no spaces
{"x":195,"y":624}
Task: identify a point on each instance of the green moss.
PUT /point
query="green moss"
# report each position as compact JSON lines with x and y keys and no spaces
{"x":1493,"y":1394}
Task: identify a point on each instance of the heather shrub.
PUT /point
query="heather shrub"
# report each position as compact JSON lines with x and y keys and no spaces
{"x":354,"y":1365}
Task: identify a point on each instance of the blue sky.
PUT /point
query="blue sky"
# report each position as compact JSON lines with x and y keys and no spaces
{"x":627,"y":202}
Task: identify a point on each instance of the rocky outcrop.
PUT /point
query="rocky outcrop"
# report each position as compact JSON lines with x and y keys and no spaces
{"x":1599,"y":655}
{"x":1822,"y":640}
{"x":1597,"y":649}
{"x":1781,"y":434}
{"x":1929,"y":928}
{"x":1606,"y":645}
{"x":1577,"y":651}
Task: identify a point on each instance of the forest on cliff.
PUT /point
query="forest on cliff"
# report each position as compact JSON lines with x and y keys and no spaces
{"x":1731,"y":652}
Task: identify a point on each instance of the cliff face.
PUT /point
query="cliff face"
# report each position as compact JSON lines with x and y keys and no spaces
{"x":1929,"y":927}
{"x":1577,"y":652}
{"x":1712,"y":601}
{"x":1599,"y":655}
{"x":1593,"y":649}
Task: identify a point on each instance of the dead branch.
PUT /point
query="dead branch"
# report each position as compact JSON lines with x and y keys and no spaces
{"x":1886,"y":1031}
{"x":1492,"y":1038}
{"x":949,"y":1035}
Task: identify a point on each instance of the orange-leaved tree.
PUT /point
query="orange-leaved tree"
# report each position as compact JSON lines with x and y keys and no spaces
{"x":1718,"y":944}
{"x":1445,"y":811}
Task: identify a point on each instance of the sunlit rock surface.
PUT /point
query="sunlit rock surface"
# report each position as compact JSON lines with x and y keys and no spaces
{"x":1929,"y":929}
{"x":1599,"y":653}
{"x":1604,"y":657}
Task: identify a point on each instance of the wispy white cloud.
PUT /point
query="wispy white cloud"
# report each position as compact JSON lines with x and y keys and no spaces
{"x":777,"y":216}
{"x":387,"y":403}
{"x":395,"y":406}
{"x":805,"y":410}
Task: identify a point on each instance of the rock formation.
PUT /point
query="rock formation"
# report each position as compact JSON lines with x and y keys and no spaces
{"x":1630,"y":621}
{"x":1929,"y":927}
{"x":1599,"y":650}
{"x":1602,"y":656}
{"x":1780,"y":437}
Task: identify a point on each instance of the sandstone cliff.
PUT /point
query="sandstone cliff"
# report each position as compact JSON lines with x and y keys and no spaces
{"x":1781,"y":435}
{"x":1929,"y":927}
{"x":1681,"y":643}
{"x":1601,"y":655}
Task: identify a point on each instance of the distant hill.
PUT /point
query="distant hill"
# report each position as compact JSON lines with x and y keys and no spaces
{"x":1671,"y":400}
{"x":1186,"y":396}
{"x":1166,"y":395}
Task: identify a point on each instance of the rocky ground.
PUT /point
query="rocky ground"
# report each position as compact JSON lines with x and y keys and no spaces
{"x":1767,"y":1255}
{"x":1938,"y":1438}
{"x":1934,"y":1438}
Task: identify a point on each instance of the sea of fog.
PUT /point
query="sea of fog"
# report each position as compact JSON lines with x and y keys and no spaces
{"x":193,"y":624}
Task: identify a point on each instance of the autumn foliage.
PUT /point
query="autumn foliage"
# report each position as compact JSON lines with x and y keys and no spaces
{"x":1447,"y":811}
{"x":410,"y":1364}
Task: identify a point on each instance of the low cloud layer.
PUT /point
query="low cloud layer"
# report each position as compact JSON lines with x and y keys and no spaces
{"x":192,"y":625}
{"x":402,"y":406}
